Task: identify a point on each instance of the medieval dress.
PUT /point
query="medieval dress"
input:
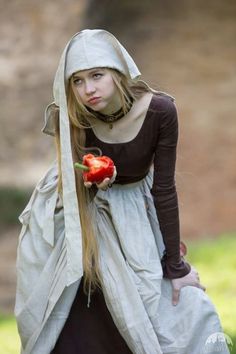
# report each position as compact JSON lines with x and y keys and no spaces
{"x":135,"y":222}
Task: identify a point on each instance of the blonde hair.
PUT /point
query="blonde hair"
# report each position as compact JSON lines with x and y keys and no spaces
{"x":79,"y":121}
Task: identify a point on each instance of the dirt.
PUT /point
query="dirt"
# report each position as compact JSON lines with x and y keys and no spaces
{"x":192,"y":56}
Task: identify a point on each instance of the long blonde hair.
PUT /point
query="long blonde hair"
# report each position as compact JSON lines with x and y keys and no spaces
{"x":79,"y":122}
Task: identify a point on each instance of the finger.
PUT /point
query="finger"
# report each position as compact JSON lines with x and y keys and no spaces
{"x":88,"y":184}
{"x":193,"y":269}
{"x":175,"y":296}
{"x":202,"y":287}
{"x":114,"y":176}
{"x":104,"y":184}
{"x":183,"y":249}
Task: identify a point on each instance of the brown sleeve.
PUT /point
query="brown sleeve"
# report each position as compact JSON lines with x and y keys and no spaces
{"x":164,"y":191}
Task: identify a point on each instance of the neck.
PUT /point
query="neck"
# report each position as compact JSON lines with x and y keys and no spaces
{"x":112,"y":107}
{"x":112,"y":117}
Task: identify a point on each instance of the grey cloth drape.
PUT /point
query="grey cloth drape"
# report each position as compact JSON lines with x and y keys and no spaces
{"x":130,"y":245}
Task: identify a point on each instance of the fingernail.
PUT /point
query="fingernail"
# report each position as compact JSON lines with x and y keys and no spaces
{"x":174,"y":303}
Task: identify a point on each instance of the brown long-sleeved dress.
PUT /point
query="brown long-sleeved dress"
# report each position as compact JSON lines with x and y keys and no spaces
{"x":91,"y":330}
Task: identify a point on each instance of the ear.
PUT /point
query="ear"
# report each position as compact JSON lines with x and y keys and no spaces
{"x":51,"y":117}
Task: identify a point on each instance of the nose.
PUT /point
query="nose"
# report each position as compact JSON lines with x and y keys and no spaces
{"x":89,"y":87}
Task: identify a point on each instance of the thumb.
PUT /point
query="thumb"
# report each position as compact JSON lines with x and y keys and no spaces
{"x":175,"y":296}
{"x":202,"y":287}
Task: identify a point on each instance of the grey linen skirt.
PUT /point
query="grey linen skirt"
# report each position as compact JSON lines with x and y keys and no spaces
{"x":137,"y":310}
{"x":133,"y":312}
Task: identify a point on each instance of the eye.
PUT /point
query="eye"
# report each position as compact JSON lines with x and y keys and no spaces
{"x":77,"y":81}
{"x":97,"y":76}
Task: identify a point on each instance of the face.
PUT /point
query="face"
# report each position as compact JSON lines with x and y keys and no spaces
{"x":97,"y":90}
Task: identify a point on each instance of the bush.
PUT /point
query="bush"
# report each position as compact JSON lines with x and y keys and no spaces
{"x":12,"y":202}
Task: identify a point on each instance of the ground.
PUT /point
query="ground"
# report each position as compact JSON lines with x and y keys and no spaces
{"x":191,"y":56}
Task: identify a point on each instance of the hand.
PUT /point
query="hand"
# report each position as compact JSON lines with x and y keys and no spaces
{"x":105,"y":183}
{"x":191,"y":278}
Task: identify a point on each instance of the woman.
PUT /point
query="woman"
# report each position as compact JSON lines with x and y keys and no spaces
{"x":99,"y":268}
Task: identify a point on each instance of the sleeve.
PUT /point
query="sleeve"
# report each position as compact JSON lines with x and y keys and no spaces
{"x":165,"y":195}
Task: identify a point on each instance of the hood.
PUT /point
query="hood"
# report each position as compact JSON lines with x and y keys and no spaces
{"x":85,"y":50}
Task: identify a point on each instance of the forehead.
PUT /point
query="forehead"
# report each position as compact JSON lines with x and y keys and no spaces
{"x":87,"y":72}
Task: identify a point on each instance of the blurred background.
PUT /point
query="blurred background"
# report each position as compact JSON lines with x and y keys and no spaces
{"x":186,"y":48}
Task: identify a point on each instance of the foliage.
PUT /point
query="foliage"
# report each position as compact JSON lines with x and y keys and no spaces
{"x":12,"y":202}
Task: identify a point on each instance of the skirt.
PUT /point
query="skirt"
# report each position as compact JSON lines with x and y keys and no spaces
{"x":134,"y":313}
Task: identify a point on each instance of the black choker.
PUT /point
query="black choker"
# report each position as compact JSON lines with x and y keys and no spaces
{"x":111,"y":118}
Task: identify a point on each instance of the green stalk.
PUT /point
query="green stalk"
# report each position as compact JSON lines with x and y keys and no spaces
{"x":81,"y":166}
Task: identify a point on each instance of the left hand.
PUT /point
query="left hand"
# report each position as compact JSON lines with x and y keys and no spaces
{"x":191,"y":279}
{"x":105,"y":183}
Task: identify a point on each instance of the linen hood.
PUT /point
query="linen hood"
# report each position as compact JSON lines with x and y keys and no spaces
{"x":85,"y":50}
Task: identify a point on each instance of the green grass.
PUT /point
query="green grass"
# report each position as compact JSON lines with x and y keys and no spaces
{"x":9,"y":340}
{"x":216,"y":263}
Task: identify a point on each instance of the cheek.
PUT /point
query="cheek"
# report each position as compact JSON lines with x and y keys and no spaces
{"x":112,"y":86}
{"x":80,"y":93}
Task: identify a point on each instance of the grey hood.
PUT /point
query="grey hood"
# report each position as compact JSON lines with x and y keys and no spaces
{"x":86,"y":49}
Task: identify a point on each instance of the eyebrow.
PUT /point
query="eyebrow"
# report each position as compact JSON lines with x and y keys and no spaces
{"x":76,"y":76}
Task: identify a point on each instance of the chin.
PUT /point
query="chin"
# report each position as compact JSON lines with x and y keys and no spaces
{"x":102,"y":110}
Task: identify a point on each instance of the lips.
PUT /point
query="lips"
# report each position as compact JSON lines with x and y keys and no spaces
{"x":94,"y":100}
